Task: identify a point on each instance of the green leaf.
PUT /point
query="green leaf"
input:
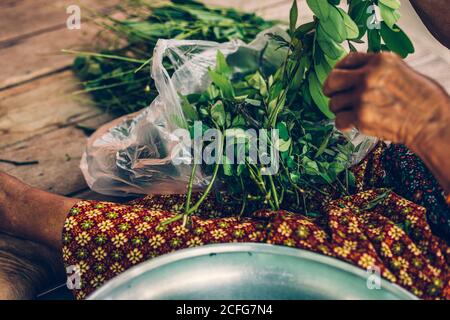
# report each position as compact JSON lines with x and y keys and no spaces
{"x":223,"y":83}
{"x":310,"y":166}
{"x":350,"y":26}
{"x":390,"y":16}
{"x":334,"y":26}
{"x":295,"y":177}
{"x":189,"y":111}
{"x":218,"y":113}
{"x":329,"y":47}
{"x":227,"y":166}
{"x":321,"y":8}
{"x":315,"y":88}
{"x":178,"y":121}
{"x":304,"y":29}
{"x":238,"y":121}
{"x":283,"y":145}
{"x":323,"y":145}
{"x":293,"y":16}
{"x":393,"y":4}
{"x":282,"y":130}
{"x":322,"y":69}
{"x":373,"y":40}
{"x":396,"y":41}
{"x":359,"y":14}
{"x":222,"y":65}
{"x":212,"y":92}
{"x":257,"y":81}
{"x":351,"y":178}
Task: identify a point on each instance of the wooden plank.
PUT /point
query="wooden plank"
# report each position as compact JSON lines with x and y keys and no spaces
{"x":36,"y":16}
{"x":41,"y":106}
{"x":281,"y":11}
{"x":58,"y":153}
{"x":46,"y":59}
{"x":22,"y":18}
{"x":250,"y":6}
{"x":43,"y":60}
{"x":41,"y":55}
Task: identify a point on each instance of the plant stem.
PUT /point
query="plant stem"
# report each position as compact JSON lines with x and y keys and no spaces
{"x":275,"y":193}
{"x":190,"y":210}
{"x":102,"y":55}
{"x":207,"y":190}
{"x":169,"y":221}
{"x":244,"y":196}
{"x":189,"y":189}
{"x":261,"y":185}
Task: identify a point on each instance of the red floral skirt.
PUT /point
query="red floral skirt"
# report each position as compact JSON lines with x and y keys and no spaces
{"x":374,"y":227}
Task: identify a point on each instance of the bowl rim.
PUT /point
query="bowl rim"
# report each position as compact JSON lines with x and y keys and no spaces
{"x":249,"y":247}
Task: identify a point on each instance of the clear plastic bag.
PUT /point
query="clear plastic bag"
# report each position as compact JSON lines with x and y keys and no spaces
{"x":133,"y":155}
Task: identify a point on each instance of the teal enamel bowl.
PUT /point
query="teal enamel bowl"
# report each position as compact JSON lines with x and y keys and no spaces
{"x":247,"y":271}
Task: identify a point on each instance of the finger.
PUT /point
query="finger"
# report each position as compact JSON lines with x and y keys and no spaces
{"x":354,"y":60}
{"x":345,"y":120}
{"x":341,"y":80}
{"x":343,"y":101}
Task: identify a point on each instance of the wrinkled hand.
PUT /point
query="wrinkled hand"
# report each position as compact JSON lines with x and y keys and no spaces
{"x":382,"y":96}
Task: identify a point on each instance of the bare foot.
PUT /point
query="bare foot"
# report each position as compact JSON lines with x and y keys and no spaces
{"x":32,"y":213}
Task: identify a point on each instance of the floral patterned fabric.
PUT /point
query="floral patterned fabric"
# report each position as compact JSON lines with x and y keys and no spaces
{"x":411,"y":179}
{"x":374,"y":227}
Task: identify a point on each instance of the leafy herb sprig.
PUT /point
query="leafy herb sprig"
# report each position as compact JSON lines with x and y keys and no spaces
{"x":312,"y":152}
{"x":119,"y":79}
{"x":288,"y":98}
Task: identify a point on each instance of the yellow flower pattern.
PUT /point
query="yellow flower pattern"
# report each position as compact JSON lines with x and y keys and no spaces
{"x":104,"y":239}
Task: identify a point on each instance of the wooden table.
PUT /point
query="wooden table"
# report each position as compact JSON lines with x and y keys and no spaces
{"x":39,"y":115}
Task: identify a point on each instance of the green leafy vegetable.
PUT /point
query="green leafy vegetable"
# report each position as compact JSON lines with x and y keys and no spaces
{"x":277,"y":88}
{"x":321,"y":8}
{"x":119,"y":79}
{"x":396,"y":41}
{"x":315,"y":88}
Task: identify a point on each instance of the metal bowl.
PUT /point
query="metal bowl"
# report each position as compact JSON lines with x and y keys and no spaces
{"x":245,"y":271}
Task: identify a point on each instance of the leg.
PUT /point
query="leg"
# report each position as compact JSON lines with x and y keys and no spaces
{"x":31,"y":213}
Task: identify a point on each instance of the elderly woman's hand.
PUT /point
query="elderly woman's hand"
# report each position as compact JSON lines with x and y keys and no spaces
{"x":382,"y":96}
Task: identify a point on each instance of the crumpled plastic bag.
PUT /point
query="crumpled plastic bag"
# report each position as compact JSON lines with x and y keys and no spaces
{"x":133,"y":155}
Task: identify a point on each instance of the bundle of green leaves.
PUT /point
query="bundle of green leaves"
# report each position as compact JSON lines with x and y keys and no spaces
{"x":312,"y":152}
{"x":287,"y":97}
{"x":119,"y":79}
{"x":309,"y":151}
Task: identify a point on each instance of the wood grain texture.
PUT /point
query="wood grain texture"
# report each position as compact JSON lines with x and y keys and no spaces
{"x":27,"y":18}
{"x":42,"y":106}
{"x":30,"y":59}
{"x":58,"y":153}
{"x":250,"y":6}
